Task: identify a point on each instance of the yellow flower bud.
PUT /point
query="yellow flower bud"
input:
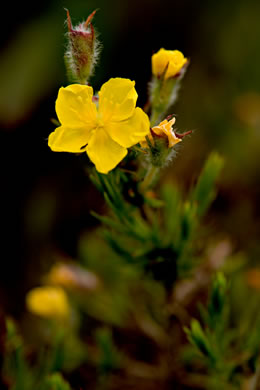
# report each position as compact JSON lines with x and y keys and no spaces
{"x":168,"y":63}
{"x":48,"y":302}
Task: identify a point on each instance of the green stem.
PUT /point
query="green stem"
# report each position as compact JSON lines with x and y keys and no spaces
{"x":149,"y":178}
{"x":156,"y":115}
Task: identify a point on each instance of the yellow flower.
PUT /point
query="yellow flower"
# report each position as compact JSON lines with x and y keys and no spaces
{"x":105,"y":132}
{"x":164,"y":130}
{"x":48,"y":302}
{"x":169,"y":61}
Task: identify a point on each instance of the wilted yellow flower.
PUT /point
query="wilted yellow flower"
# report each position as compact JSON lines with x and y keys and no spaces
{"x":48,"y":301}
{"x":105,"y":132}
{"x":168,"y":61}
{"x":164,"y":130}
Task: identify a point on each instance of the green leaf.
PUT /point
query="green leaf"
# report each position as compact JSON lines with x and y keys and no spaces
{"x":172,"y":213}
{"x":204,"y":191}
{"x":109,"y":357}
{"x":198,"y":338}
{"x":217,"y":299}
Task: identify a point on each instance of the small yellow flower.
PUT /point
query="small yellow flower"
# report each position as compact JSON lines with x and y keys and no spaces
{"x":48,"y":302}
{"x":105,"y":132}
{"x":168,"y":61}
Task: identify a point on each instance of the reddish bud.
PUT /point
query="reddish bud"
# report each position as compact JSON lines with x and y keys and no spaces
{"x":82,"y":52}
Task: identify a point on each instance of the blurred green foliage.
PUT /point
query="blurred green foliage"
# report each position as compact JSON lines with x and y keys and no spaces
{"x":146,"y":256}
{"x":230,"y":355}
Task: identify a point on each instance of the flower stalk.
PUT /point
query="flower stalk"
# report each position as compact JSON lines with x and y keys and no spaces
{"x":150,"y":178}
{"x":163,"y":95}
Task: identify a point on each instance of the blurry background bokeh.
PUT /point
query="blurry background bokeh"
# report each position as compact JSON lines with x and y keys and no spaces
{"x":46,"y":196}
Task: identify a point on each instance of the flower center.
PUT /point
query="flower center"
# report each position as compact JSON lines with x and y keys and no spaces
{"x":99,"y":125}
{"x":99,"y":122}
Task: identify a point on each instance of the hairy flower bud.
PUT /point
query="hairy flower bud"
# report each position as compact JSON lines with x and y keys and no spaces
{"x":82,"y":51}
{"x":168,"y":68}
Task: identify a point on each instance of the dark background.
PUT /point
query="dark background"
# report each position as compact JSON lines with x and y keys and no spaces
{"x":46,"y":196}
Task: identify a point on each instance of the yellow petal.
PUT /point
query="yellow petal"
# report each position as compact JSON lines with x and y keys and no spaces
{"x":159,"y":62}
{"x":176,"y":62}
{"x":164,"y":127}
{"x":74,"y":105}
{"x":131,"y":131}
{"x":172,"y":139}
{"x":117,"y":99}
{"x":67,"y":139}
{"x":104,"y":152}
